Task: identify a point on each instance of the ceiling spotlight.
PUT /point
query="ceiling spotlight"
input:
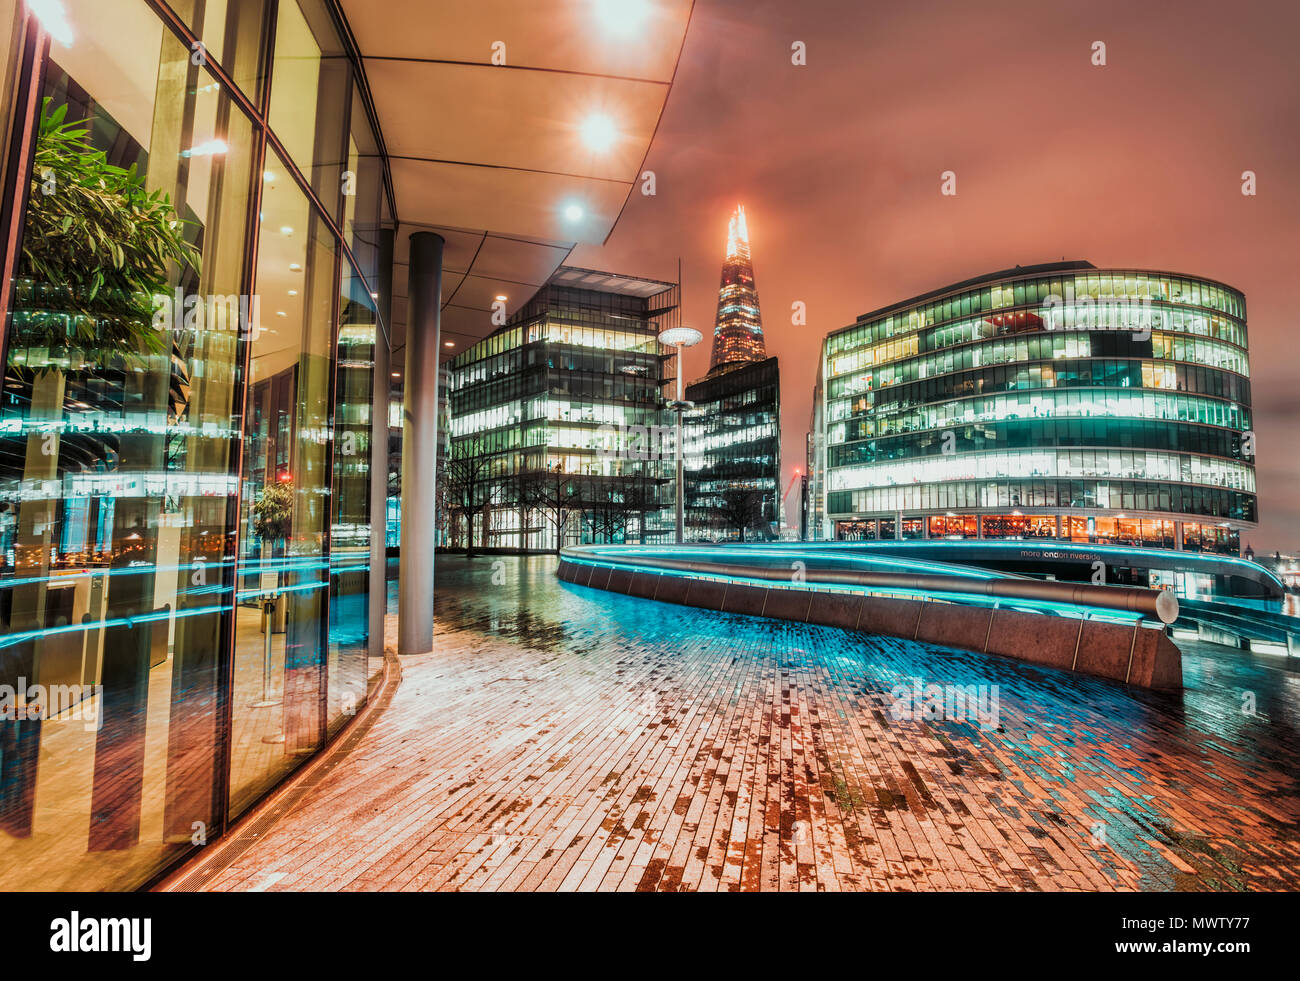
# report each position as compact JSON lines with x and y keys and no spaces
{"x":397,"y":374}
{"x":281,"y":313}
{"x":574,"y":212}
{"x":621,"y":17}
{"x":268,"y":175}
{"x":295,"y":267}
{"x":286,"y":229}
{"x":448,"y":343}
{"x":599,"y":132}
{"x":53,"y":18}
{"x":501,"y":297}
{"x":374,"y":296}
{"x":293,"y":292}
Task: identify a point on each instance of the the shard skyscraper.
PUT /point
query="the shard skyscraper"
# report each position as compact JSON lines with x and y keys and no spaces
{"x":738,"y":330}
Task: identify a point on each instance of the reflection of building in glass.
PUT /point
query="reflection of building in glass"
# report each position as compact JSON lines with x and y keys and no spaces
{"x":571,"y":385}
{"x":733,"y":452}
{"x":1058,"y":401}
{"x":168,"y":473}
{"x":738,"y":330}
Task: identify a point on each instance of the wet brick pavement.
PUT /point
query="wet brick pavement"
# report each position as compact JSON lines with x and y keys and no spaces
{"x":566,"y":738}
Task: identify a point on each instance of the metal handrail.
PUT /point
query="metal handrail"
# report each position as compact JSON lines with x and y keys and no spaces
{"x":1157,"y":603}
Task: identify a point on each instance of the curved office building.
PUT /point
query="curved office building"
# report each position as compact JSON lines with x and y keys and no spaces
{"x":1057,"y":401}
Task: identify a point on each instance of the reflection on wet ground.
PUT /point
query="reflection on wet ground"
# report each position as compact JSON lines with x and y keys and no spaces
{"x":561,"y":737}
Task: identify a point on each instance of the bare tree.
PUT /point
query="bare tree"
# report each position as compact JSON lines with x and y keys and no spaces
{"x":469,"y":485}
{"x":555,"y":495}
{"x":741,"y":509}
{"x":605,"y":506}
{"x":640,"y":496}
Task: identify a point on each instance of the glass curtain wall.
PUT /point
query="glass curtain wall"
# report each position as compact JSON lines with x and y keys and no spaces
{"x":184,"y":432}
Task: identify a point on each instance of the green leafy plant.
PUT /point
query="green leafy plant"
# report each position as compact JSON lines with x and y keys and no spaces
{"x":101,"y":239}
{"x":273,"y":512}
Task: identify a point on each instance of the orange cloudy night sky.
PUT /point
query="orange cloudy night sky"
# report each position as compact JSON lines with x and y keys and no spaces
{"x":1134,"y":164}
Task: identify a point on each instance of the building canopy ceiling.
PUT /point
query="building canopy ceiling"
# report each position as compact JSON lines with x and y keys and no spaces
{"x":514,"y":162}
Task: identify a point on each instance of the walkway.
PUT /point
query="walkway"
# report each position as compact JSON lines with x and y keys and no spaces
{"x":564,"y":738}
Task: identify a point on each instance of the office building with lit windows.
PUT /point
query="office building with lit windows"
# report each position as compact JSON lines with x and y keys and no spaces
{"x":572,"y":385}
{"x":1054,"y":402}
{"x":732,"y":442}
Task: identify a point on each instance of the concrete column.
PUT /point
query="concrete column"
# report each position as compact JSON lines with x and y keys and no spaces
{"x":420,"y":446}
{"x":378,"y":599}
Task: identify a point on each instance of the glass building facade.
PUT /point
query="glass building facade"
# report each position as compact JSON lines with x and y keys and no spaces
{"x":1058,"y":401}
{"x":185,"y":424}
{"x":558,"y":428}
{"x":733,"y":453}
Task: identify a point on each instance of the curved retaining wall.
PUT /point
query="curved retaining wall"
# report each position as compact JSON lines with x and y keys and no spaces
{"x":1137,"y":654}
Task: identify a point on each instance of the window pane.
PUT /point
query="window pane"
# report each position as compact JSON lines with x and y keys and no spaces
{"x":351,"y":531}
{"x":284,"y":498}
{"x":311,"y":71}
{"x":116,"y":446}
{"x":232,"y":33}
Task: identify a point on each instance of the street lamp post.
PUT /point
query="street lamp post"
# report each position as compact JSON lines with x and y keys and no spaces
{"x":680,"y":338}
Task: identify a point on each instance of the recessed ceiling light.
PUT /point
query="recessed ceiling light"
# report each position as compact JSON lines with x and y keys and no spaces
{"x":268,"y":175}
{"x":295,"y":267}
{"x":448,"y":343}
{"x":286,"y":229}
{"x":501,"y":297}
{"x":621,"y":17}
{"x":599,"y":132}
{"x":397,"y":374}
{"x":54,"y":19}
{"x":574,"y":212}
{"x":293,"y":292}
{"x":374,"y":296}
{"x":281,"y":313}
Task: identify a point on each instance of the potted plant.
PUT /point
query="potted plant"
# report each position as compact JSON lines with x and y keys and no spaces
{"x":272,"y":518}
{"x":96,"y":247}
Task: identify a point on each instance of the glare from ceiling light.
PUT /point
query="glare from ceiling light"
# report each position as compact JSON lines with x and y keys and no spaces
{"x":621,"y":17}
{"x":599,"y":132}
{"x":574,"y":212}
{"x":209,"y":149}
{"x":54,"y":19}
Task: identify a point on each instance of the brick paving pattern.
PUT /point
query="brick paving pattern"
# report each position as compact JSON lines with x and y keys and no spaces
{"x":561,"y":738}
